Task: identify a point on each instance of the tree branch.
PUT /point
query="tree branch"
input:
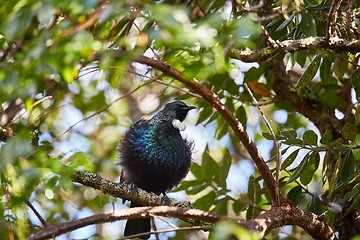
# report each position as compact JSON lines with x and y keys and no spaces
{"x":311,"y":43}
{"x":273,"y":218}
{"x":331,"y":23}
{"x":120,"y":190}
{"x":38,"y":215}
{"x":323,"y":117}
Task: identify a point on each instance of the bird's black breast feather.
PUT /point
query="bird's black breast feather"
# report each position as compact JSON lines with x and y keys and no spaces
{"x":154,"y":156}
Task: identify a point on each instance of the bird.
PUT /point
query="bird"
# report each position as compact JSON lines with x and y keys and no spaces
{"x":155,"y":157}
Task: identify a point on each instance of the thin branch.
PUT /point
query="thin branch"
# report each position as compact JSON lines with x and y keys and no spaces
{"x":349,"y":16}
{"x":131,"y":213}
{"x":331,"y":23}
{"x":273,"y":218}
{"x":33,"y":105}
{"x":90,"y":20}
{"x":158,"y":80}
{"x":277,"y":144}
{"x":311,"y":43}
{"x":193,"y":228}
{"x":42,"y":220}
{"x":99,"y":110}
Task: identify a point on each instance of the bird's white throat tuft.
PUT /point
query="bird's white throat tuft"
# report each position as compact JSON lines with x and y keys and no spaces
{"x":179,"y":125}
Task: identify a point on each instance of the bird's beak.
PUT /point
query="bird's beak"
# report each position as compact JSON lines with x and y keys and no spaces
{"x":188,"y":108}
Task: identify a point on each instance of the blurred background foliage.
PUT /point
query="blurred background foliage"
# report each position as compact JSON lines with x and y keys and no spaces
{"x":62,"y":111}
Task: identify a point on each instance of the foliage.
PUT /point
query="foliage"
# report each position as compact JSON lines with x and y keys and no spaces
{"x":73,"y":65}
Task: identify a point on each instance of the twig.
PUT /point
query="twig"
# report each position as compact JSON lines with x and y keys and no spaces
{"x":331,"y":23}
{"x":42,"y":220}
{"x":158,"y":80}
{"x":310,"y":43}
{"x":277,"y":144}
{"x":33,"y":105}
{"x":99,"y":110}
{"x":41,"y":100}
{"x":89,"y":21}
{"x":167,"y":222}
{"x":349,"y":17}
{"x":193,"y":228}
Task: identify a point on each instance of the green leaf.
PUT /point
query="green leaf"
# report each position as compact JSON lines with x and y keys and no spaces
{"x":301,"y":57}
{"x":357,"y":115}
{"x":341,"y":68}
{"x":196,"y":170}
{"x":325,"y":69}
{"x":355,"y":205}
{"x":221,"y":206}
{"x":327,"y":137}
{"x":196,"y":189}
{"x":286,"y":22}
{"x":295,"y":195}
{"x":240,"y":114}
{"x":219,"y":58}
{"x":331,"y":99}
{"x":321,"y":6}
{"x":349,"y":131}
{"x":223,"y":171}
{"x":206,"y":201}
{"x":52,"y":181}
{"x":299,"y":169}
{"x":184,"y":185}
{"x":308,"y":74}
{"x":225,"y":230}
{"x":204,"y":114}
{"x":254,"y":190}
{"x":209,"y":167}
{"x":253,"y":74}
{"x":222,"y":129}
{"x":312,"y":165}
{"x":252,"y":212}
{"x":290,"y":159}
{"x":239,"y":205}
{"x":213,"y":117}
{"x":315,"y":205}
{"x":288,"y":133}
{"x":355,"y":81}
{"x":294,"y":142}
{"x":13,"y":150}
{"x":82,"y":161}
{"x":285,"y":150}
{"x":310,"y":138}
{"x":308,"y":25}
{"x":18,"y":23}
{"x":268,"y":136}
{"x":347,"y":169}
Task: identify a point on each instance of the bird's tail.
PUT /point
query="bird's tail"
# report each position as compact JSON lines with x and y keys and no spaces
{"x":135,"y":226}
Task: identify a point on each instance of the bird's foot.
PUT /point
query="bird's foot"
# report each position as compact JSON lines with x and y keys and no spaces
{"x":132,"y":186}
{"x":165,"y":199}
{"x":184,"y":205}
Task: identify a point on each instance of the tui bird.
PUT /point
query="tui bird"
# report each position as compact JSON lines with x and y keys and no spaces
{"x":155,"y":157}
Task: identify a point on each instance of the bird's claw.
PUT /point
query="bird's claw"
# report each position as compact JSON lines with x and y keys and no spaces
{"x":132,"y":186}
{"x":184,"y":205}
{"x":165,"y":199}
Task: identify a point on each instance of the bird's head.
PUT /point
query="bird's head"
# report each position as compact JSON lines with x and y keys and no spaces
{"x":177,"y":110}
{"x":174,"y":110}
